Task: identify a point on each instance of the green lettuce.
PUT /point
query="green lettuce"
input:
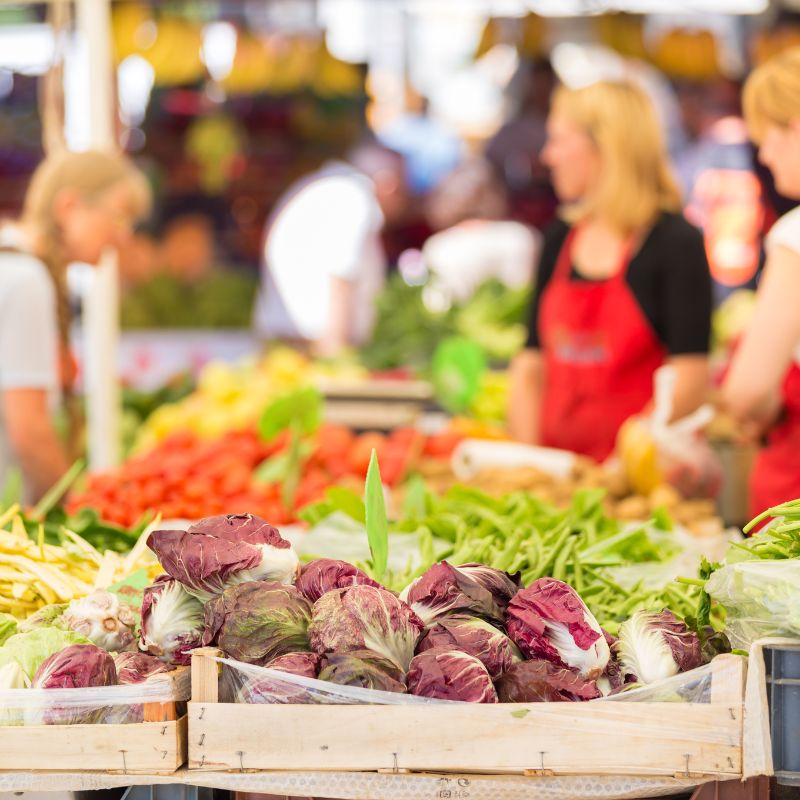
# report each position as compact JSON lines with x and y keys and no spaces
{"x":8,"y":627}
{"x":32,"y":648}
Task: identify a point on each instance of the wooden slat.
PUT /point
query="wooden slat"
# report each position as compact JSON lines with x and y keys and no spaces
{"x":602,"y":739}
{"x":205,"y":675}
{"x":164,"y":712}
{"x":147,"y":747}
{"x":728,"y":674}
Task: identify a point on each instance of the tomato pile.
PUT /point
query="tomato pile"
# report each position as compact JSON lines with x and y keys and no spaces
{"x":189,"y":477}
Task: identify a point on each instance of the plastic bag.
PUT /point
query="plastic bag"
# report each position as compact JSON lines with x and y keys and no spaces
{"x":245,"y":683}
{"x":655,"y":451}
{"x":109,"y":705}
{"x":760,"y":598}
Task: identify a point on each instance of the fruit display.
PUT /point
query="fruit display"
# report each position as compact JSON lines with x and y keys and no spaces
{"x":231,"y":397}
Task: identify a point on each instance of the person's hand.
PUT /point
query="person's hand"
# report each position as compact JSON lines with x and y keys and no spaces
{"x":753,"y":430}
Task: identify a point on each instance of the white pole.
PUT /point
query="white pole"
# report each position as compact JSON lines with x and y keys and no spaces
{"x":101,"y":307}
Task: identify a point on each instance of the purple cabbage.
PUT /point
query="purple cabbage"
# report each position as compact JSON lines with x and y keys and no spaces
{"x":365,"y":618}
{"x":325,"y":574}
{"x":138,"y":667}
{"x":541,"y":681}
{"x":652,"y":647}
{"x":172,"y":622}
{"x":549,"y":620}
{"x":364,"y":669}
{"x":268,"y":690}
{"x":474,"y":636}
{"x":472,"y":588}
{"x":450,"y":675}
{"x":218,"y":552}
{"x":258,"y":621}
{"x":76,"y":667}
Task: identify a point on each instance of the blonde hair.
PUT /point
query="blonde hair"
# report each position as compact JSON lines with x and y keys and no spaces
{"x":91,"y":174}
{"x":636,"y":183}
{"x":772,"y":93}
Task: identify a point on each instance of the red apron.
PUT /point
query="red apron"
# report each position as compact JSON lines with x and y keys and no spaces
{"x":600,"y":353}
{"x":776,"y":473}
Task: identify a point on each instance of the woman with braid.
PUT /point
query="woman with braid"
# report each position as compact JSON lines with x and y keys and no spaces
{"x":77,"y":205}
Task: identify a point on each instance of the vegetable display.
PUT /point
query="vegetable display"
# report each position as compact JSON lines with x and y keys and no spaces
{"x":457,"y":632}
{"x":188,"y":476}
{"x":518,"y":533}
{"x":231,"y":397}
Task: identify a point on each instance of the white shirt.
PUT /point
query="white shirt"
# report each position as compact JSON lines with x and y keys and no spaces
{"x":466,"y":255}
{"x":28,"y":336}
{"x":328,"y":227}
{"x":785,"y":232}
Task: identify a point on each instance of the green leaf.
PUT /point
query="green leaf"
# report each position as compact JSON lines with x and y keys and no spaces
{"x":415,"y":504}
{"x":12,"y":489}
{"x":301,"y":409}
{"x":58,"y":490}
{"x":348,"y":502}
{"x":130,"y":590}
{"x":377,"y":525}
{"x":275,"y":469}
{"x":520,"y":713}
{"x":456,"y":371}
{"x":662,"y":519}
{"x":294,"y":466}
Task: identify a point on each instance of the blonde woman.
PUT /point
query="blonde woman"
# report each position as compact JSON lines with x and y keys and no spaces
{"x":623,"y":284}
{"x":77,"y":205}
{"x":762,"y":389}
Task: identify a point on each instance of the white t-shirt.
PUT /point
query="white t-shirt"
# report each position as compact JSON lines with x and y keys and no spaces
{"x":786,"y":232}
{"x":28,"y":336}
{"x":329,"y":227}
{"x":466,"y":255}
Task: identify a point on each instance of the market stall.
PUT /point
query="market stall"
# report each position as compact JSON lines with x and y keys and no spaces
{"x":339,"y":576}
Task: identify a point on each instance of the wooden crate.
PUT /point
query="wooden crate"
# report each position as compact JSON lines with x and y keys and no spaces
{"x":156,"y":746}
{"x":674,"y":739}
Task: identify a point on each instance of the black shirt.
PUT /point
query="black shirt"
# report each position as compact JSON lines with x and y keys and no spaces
{"x":669,"y":278}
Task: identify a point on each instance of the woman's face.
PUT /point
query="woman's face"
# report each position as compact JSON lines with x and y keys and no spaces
{"x":571,"y":156}
{"x":780,"y":152}
{"x":90,"y":227}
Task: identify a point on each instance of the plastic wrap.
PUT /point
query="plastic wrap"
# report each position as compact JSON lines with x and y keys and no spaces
{"x":244,"y":683}
{"x":686,"y":687}
{"x":108,"y":705}
{"x":760,"y":598}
